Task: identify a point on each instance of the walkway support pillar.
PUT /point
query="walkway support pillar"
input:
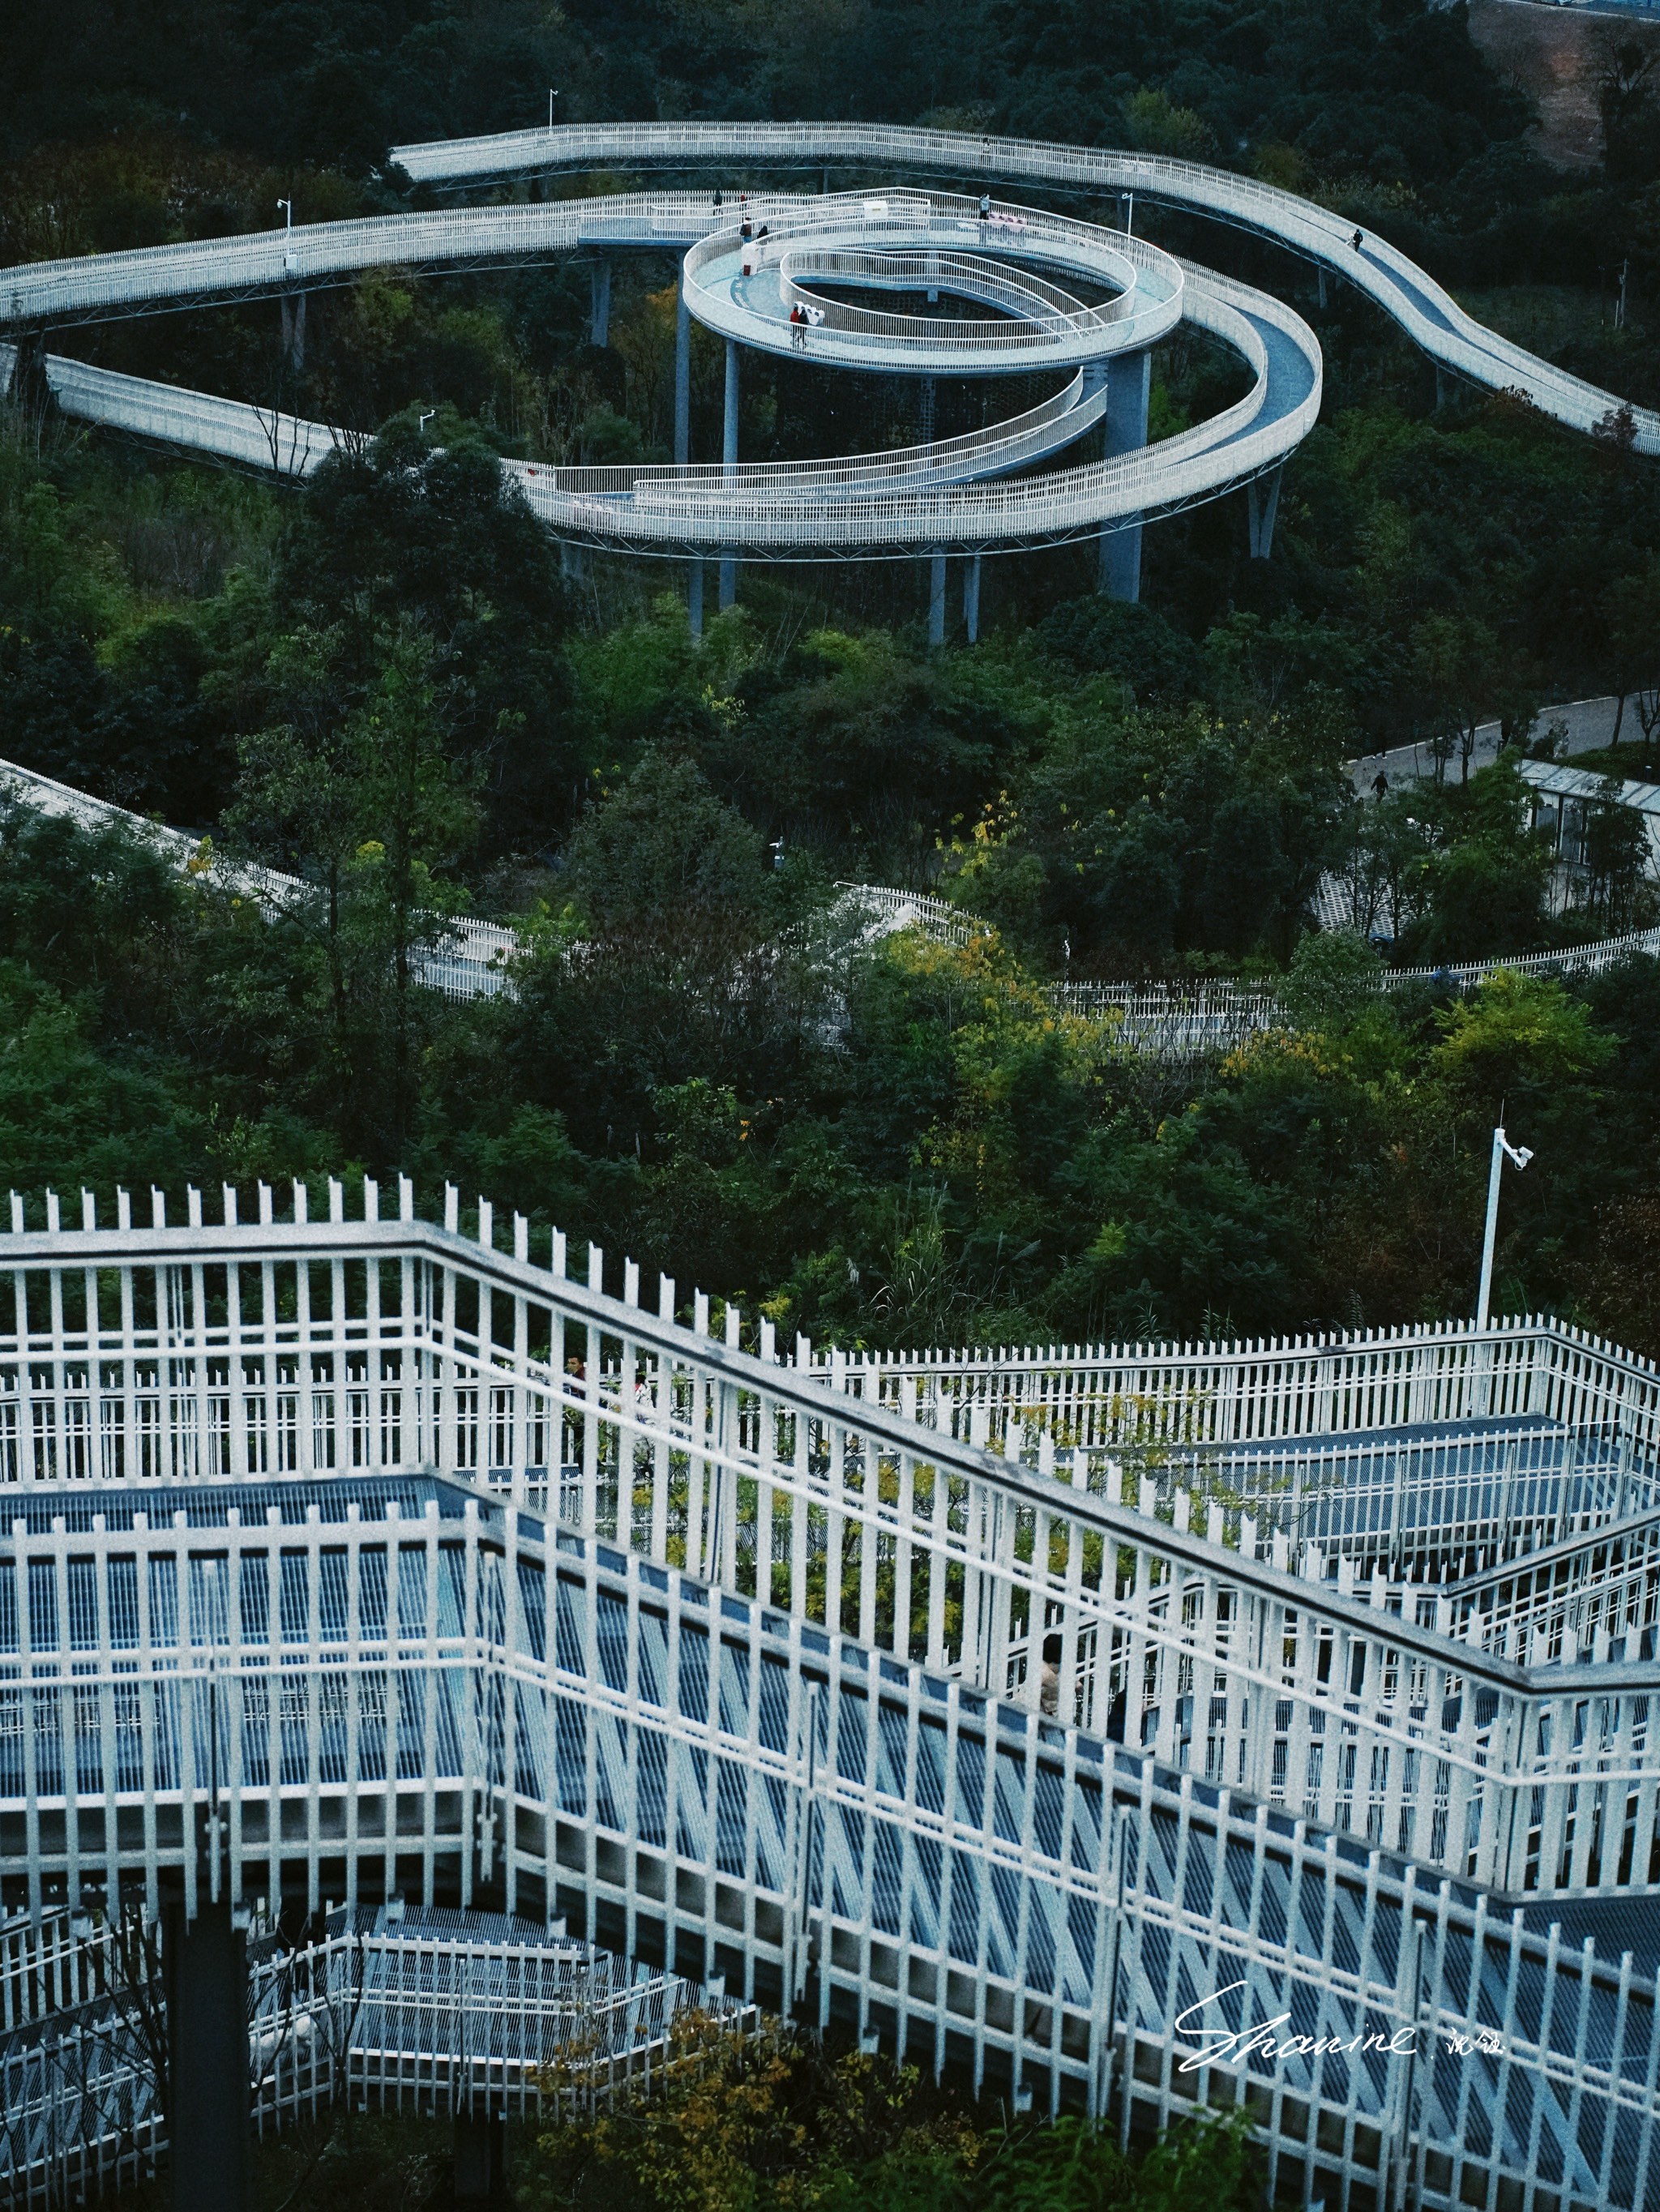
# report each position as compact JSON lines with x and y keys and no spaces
{"x":481,"y":2159}
{"x":683,"y":443}
{"x":971,"y":597}
{"x":1320,"y":279}
{"x":28,"y":387}
{"x":1262,"y":505}
{"x":937,"y":599}
{"x":599,"y":303}
{"x":729,"y":466}
{"x":1129,"y":380}
{"x":205,"y":1973}
{"x":681,"y":381}
{"x":294,"y":331}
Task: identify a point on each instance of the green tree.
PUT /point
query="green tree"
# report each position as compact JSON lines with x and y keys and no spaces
{"x":366,"y":802}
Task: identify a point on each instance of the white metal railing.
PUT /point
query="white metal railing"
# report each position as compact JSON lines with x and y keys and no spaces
{"x":852,"y":239}
{"x":1421,"y":307}
{"x":1061,"y":418}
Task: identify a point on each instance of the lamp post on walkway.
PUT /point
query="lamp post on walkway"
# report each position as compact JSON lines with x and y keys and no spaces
{"x":1519,"y":1156}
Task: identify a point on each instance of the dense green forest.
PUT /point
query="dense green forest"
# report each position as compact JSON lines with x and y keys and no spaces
{"x":385,"y":681}
{"x":767,"y":2119}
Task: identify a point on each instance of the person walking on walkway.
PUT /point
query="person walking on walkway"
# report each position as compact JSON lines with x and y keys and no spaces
{"x":1358,"y":240}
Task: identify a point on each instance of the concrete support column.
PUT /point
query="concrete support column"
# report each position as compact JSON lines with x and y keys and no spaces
{"x":937,"y":599}
{"x":599,"y":303}
{"x":729,"y":466}
{"x":481,"y":2160}
{"x":205,"y":1970}
{"x":28,"y":387}
{"x":694,"y":597}
{"x":971,"y":597}
{"x":1130,"y":379}
{"x":1320,"y":279}
{"x":1262,"y":505}
{"x":294,"y":331}
{"x":925,"y":412}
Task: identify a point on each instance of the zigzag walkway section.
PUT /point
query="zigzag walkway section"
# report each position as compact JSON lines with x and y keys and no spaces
{"x":1122,"y":1728}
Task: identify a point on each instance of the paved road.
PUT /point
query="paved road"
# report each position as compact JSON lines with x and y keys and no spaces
{"x":1587,"y":723}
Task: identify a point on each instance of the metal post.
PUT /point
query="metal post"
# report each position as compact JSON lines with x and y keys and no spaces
{"x":480,"y":2150}
{"x":682,"y":382}
{"x":682,"y":442}
{"x":206,"y":1973}
{"x":1129,"y":380}
{"x":971,"y":597}
{"x":1320,"y":280}
{"x":729,"y":466}
{"x":1501,"y":1150}
{"x":1262,"y":505}
{"x":294,"y":330}
{"x":599,"y":303}
{"x":937,"y":599}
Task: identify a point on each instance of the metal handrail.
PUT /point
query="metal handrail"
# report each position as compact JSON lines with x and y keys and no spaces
{"x":847,"y":238}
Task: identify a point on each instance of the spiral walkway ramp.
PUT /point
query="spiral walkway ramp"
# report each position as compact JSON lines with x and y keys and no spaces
{"x":805,"y":253}
{"x":1119,"y":1727}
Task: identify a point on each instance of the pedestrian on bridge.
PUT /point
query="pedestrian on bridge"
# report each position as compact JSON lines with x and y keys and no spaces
{"x":1358,"y":240}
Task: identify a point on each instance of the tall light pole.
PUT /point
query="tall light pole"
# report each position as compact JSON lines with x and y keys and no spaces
{"x":288,"y":206}
{"x":552,"y":95}
{"x":1519,"y":1156}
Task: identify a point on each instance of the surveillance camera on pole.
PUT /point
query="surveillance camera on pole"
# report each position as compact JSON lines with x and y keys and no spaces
{"x":1518,"y":1156}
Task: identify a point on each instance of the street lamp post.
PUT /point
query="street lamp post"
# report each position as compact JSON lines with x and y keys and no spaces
{"x":1518,"y":1155}
{"x":553,"y":95}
